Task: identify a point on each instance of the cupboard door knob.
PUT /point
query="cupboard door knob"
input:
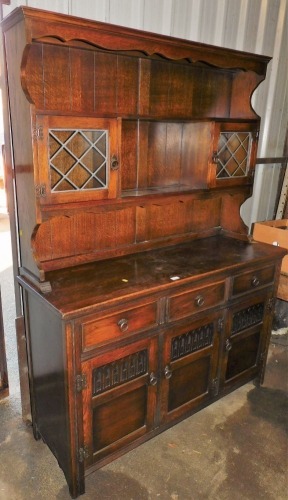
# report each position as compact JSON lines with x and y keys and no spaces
{"x":228,"y":345}
{"x":215,"y":158}
{"x":114,"y":162}
{"x":123,"y":324}
{"x":153,"y":379}
{"x":255,"y":281}
{"x":167,"y":372}
{"x":199,"y":301}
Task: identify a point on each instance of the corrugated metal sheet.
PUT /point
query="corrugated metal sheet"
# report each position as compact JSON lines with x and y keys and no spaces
{"x":258,"y":26}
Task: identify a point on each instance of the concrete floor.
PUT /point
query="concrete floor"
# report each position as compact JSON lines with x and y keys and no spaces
{"x":236,"y":449}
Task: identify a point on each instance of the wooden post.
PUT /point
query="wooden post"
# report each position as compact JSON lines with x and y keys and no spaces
{"x":4,"y":388}
{"x":9,"y":186}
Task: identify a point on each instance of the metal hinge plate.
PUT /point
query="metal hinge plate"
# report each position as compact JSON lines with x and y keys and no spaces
{"x":40,"y":190}
{"x":83,"y":453}
{"x":37,"y":133}
{"x":215,"y":386}
{"x":220,"y":325}
{"x":270,"y":305}
{"x":81,"y":382}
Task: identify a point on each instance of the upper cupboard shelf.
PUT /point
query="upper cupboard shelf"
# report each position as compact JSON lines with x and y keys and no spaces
{"x":101,"y":83}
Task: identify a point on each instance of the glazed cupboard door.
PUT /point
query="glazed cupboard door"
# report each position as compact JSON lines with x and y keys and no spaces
{"x":120,"y":398}
{"x":246,"y":341}
{"x":190,"y":366}
{"x":77,"y":159}
{"x":234,"y":153}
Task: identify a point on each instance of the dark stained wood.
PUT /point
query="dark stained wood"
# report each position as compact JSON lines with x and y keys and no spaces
{"x":144,"y":298}
{"x":8,"y":163}
{"x":4,"y":386}
{"x":127,"y":79}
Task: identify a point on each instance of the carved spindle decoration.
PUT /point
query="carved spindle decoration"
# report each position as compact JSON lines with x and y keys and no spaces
{"x":123,"y":370}
{"x":192,"y":341}
{"x":248,"y":317}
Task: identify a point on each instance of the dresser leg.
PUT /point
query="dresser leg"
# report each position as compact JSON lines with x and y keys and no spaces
{"x":77,"y":488}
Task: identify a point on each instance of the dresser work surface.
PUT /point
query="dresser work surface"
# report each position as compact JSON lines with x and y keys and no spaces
{"x":82,"y":288}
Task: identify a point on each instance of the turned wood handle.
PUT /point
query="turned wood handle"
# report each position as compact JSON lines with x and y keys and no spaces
{"x":199,"y":300}
{"x":123,"y":324}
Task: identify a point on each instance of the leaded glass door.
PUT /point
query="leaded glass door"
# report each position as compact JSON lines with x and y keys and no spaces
{"x":234,"y":152}
{"x":77,"y":158}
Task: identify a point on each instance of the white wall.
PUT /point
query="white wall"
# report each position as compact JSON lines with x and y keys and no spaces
{"x":258,"y":26}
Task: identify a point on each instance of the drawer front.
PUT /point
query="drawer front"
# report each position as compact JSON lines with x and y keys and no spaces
{"x":115,"y":326}
{"x":187,"y":303}
{"x":248,"y":282}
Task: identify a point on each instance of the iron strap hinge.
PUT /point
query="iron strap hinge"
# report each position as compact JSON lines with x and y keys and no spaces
{"x":83,"y":453}
{"x":215,"y":386}
{"x":40,"y":190}
{"x":81,"y":382}
{"x":220,"y":325}
{"x":37,"y":133}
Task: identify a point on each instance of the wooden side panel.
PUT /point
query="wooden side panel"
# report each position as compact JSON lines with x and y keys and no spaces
{"x":195,"y":154}
{"x":32,"y":77}
{"x":48,"y":372}
{"x":23,"y":157}
{"x":143,"y":148}
{"x":129,"y":155}
{"x":4,"y":390}
{"x":157,"y":175}
{"x":244,"y":84}
{"x":230,"y":212}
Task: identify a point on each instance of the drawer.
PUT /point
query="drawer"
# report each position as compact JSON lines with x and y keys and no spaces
{"x":248,"y":282}
{"x":112,"y":327}
{"x":188,"y":303}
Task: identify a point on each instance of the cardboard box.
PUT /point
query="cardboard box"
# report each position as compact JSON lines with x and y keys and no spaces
{"x":274,"y":232}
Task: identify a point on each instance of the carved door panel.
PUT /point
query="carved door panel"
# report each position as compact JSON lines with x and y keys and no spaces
{"x":234,"y":153}
{"x":190,"y":369}
{"x":119,"y":400}
{"x":246,"y":340}
{"x":77,"y":159}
